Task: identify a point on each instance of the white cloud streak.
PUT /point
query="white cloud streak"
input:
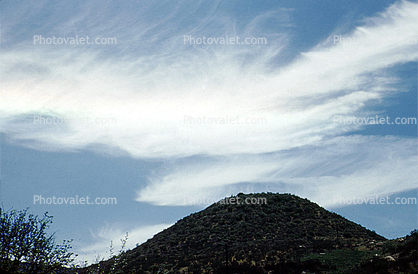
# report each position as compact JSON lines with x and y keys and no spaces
{"x":151,"y":96}
{"x":112,"y":235}
{"x":355,"y":166}
{"x":150,"y":105}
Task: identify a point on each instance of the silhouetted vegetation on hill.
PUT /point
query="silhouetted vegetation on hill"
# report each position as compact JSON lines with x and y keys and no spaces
{"x":397,"y":256}
{"x":288,"y":234}
{"x":27,"y":247}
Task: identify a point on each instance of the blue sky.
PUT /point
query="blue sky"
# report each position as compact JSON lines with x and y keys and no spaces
{"x":139,"y":118}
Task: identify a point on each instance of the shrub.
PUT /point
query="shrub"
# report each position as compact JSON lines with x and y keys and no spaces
{"x":25,"y":246}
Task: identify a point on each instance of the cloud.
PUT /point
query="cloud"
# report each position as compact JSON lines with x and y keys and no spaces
{"x":350,"y":166}
{"x":164,"y":105}
{"x":153,"y":96}
{"x":114,"y":234}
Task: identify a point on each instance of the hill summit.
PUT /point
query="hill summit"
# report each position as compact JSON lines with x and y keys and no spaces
{"x":281,"y":234}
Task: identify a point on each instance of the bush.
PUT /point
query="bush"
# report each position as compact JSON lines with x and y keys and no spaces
{"x":25,"y":246}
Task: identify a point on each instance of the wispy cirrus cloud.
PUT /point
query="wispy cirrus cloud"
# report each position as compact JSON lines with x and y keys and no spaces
{"x":160,"y":98}
{"x":354,"y":166}
{"x":153,"y":102}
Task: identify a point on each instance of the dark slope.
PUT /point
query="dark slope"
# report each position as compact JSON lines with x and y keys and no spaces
{"x":397,"y":256}
{"x":277,"y":236}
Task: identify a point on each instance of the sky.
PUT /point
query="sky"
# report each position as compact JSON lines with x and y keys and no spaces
{"x":155,"y":109}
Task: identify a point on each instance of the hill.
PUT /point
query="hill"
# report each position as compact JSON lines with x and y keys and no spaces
{"x":396,"y":256}
{"x":286,"y":234}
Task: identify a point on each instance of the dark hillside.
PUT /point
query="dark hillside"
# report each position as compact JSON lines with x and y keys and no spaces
{"x":258,"y":237}
{"x":397,"y":256}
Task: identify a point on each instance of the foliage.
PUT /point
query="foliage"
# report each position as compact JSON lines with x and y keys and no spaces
{"x":26,"y":247}
{"x":398,"y":256}
{"x":113,"y":265}
{"x":274,"y":236}
{"x":287,"y":235}
{"x":341,"y":259}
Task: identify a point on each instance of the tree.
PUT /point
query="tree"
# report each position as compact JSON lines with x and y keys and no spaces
{"x":26,"y":247}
